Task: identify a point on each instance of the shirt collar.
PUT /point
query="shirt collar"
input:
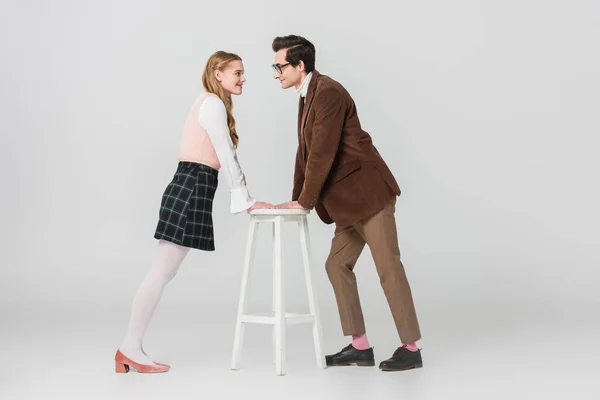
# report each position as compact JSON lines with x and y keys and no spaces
{"x":303,"y":89}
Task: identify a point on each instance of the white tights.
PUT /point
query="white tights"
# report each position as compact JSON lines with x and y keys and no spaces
{"x":166,"y":264}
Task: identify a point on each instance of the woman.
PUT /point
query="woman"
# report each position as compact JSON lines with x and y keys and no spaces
{"x":185,"y":221}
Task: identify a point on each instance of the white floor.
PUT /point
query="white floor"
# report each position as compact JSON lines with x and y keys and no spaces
{"x":524,"y":357}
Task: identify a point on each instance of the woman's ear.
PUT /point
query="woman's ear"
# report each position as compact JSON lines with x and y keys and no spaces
{"x":218,"y":75}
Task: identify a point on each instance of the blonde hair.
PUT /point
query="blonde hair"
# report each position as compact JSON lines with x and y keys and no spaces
{"x":219,"y":61}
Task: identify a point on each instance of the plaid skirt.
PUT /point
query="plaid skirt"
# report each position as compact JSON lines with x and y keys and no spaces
{"x":185,"y":215}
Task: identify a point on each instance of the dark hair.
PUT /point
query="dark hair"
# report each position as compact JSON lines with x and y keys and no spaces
{"x":299,"y":49}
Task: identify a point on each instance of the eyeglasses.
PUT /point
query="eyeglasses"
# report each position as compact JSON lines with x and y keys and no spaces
{"x":279,"y":67}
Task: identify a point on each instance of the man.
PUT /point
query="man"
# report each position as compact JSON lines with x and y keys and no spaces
{"x":339,"y":172}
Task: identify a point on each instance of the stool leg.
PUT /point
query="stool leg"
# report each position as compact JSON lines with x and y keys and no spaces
{"x":239,"y":326}
{"x":312,"y":298}
{"x":279,"y":302}
{"x":273,"y":300}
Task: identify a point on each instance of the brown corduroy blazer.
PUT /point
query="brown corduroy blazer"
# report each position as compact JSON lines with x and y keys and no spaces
{"x":338,"y":171}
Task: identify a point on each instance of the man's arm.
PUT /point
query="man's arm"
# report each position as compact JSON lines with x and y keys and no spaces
{"x":326,"y":134}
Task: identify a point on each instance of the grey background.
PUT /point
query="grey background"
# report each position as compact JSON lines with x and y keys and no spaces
{"x":485,"y":111}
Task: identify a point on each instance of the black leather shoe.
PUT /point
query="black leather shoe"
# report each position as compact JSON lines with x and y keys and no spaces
{"x":402,"y":360}
{"x":351,"y":355}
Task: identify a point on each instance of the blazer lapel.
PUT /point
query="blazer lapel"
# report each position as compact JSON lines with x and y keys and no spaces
{"x":301,"y":143}
{"x":310,"y":95}
{"x":300,"y":112}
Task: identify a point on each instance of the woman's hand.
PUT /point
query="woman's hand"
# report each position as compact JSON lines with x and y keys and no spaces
{"x":261,"y":205}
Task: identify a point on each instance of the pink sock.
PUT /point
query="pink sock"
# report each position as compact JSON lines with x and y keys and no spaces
{"x":410,"y":346}
{"x":360,"y":342}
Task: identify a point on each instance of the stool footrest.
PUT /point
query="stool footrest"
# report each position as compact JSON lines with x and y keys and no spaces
{"x":269,"y":318}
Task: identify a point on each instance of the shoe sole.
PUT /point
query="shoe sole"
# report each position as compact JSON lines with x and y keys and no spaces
{"x":415,"y":366}
{"x":358,"y":363}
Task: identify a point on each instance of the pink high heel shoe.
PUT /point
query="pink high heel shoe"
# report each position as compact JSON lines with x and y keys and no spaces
{"x":123,"y":363}
{"x":157,"y":363}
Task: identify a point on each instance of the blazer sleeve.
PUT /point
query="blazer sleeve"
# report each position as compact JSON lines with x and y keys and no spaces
{"x":298,"y":177}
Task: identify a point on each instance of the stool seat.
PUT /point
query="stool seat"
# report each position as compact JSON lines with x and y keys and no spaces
{"x":281,"y":211}
{"x":278,"y":317}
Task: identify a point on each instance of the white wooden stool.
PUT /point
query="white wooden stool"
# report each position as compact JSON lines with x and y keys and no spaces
{"x":278,"y":317}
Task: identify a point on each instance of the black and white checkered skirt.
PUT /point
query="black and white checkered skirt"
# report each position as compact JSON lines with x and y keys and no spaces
{"x":185,"y":214}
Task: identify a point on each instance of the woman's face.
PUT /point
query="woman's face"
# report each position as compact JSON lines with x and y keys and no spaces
{"x":232,"y":77}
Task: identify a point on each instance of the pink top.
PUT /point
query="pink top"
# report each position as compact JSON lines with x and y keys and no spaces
{"x":206,"y":140}
{"x":196,"y":145}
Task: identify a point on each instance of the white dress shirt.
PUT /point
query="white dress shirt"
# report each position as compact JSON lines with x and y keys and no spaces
{"x":212,"y":116}
{"x":303,"y":89}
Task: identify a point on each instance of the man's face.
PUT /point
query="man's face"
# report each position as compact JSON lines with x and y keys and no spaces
{"x":289,"y":75}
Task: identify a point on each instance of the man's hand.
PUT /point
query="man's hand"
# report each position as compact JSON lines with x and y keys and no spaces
{"x":290,"y":204}
{"x":261,"y":205}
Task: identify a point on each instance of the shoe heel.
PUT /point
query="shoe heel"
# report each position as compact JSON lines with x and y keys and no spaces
{"x":366,"y":363}
{"x":121,"y":368}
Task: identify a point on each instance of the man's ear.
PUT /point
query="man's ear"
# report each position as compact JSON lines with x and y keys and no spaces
{"x":301,"y":66}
